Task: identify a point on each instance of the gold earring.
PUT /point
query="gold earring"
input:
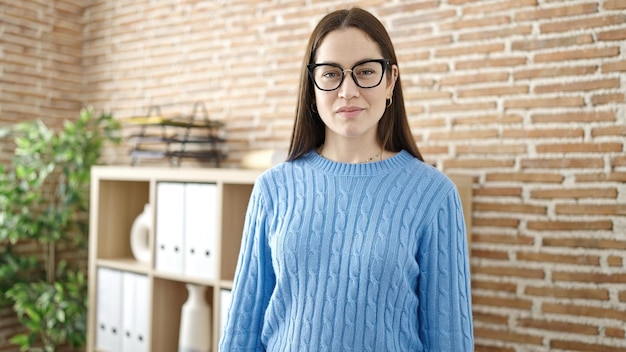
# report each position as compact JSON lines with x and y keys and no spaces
{"x":390,"y":101}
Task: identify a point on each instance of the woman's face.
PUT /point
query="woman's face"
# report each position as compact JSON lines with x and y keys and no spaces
{"x":351,"y":111}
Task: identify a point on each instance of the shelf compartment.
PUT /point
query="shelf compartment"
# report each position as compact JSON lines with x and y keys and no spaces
{"x":167,"y":303}
{"x":234,"y":205}
{"x":119,"y":204}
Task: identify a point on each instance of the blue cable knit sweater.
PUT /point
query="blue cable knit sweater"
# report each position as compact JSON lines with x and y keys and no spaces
{"x":352,"y":257}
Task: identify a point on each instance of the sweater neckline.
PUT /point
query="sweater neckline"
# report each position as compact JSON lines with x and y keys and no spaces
{"x":360,"y":169}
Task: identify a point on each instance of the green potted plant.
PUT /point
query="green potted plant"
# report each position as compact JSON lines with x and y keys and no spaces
{"x":44,"y":200}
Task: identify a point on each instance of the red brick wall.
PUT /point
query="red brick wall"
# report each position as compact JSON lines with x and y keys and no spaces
{"x":527,"y":96}
{"x":40,"y":77}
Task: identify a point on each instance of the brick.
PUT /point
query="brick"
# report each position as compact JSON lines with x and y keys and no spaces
{"x":602,"y":177}
{"x":552,"y":72}
{"x":429,"y":68}
{"x":579,"y":148}
{"x":581,"y":86}
{"x":425,"y":42}
{"x":511,"y":31}
{"x":427,"y":123}
{"x":554,"y":13}
{"x":593,"y":116}
{"x":586,"y":311}
{"x":526,"y":177}
{"x":498,"y":286}
{"x":596,"y":278}
{"x":614,"y":4}
{"x":477,"y":163}
{"x":575,"y":193}
{"x":608,"y":131}
{"x":491,"y":318}
{"x":584,"y":23}
{"x":543,"y":133}
{"x":587,"y":243}
{"x":494,"y":301}
{"x":473,"y":49}
{"x":529,"y":103}
{"x":488,"y":119}
{"x":560,"y":163}
{"x":608,"y":98}
{"x":501,"y":271}
{"x":559,"y":326}
{"x":414,"y":110}
{"x":495,"y":222}
{"x":606,"y":225}
{"x":617,"y":161}
{"x":493,"y":91}
{"x":408,"y":7}
{"x":591,"y":209}
{"x":622,"y":296}
{"x":427,"y":95}
{"x":559,"y":344}
{"x":475,"y":106}
{"x":424,"y":17}
{"x":614,"y":332}
{"x":491,"y":149}
{"x":489,"y":191}
{"x":480,"y":347}
{"x":474,"y":78}
{"x":434,"y":149}
{"x":589,"y":260}
{"x":586,"y":54}
{"x":614,"y":261}
{"x":482,"y":333}
{"x":487,"y":254}
{"x":508,"y":5}
{"x":612,"y":35}
{"x":504,"y":239}
{"x":490,"y":62}
{"x":482,"y":21}
{"x":542,"y":44}
{"x":464,"y":135}
{"x":596,"y":294}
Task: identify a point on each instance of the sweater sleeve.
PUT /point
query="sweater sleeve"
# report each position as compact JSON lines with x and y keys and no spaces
{"x":253,"y":284}
{"x":444,"y":283}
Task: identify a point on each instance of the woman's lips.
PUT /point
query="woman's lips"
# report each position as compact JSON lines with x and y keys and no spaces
{"x":349,"y":111}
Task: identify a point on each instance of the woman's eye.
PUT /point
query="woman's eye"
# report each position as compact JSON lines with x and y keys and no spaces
{"x":332,"y":74}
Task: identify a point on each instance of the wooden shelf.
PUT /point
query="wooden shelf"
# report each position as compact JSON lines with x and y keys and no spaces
{"x":118,"y":196}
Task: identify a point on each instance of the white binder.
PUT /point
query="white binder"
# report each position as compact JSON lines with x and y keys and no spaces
{"x":109,"y":310}
{"x":225,"y":297}
{"x":170,"y":227}
{"x":135,"y":313}
{"x":128,"y":313}
{"x":142,"y":309}
{"x":200,"y":230}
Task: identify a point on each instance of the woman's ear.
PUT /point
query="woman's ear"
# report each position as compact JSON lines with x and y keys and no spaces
{"x":393,"y":79}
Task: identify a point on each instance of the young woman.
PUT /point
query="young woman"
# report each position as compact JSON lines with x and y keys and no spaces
{"x":354,"y":243}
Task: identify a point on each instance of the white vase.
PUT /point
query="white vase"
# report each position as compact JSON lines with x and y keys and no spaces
{"x":140,"y":236}
{"x":195,"y":322}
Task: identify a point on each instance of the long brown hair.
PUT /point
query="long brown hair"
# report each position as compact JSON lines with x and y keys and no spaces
{"x":394,"y":132}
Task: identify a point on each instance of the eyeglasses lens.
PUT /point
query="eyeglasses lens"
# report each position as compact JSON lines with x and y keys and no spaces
{"x":366,"y":75}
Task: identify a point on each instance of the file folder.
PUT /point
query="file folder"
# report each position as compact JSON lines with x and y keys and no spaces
{"x":136,"y":302}
{"x":200,"y":230}
{"x":109,"y":310}
{"x":225,"y":297}
{"x":170,"y":227}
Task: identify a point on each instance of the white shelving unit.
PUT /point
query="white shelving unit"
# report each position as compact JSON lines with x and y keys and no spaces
{"x":118,"y":196}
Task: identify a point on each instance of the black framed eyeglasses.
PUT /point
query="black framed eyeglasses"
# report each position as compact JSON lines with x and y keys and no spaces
{"x":366,"y":74}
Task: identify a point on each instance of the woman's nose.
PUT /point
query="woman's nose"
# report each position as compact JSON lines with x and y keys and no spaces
{"x":348,"y":88}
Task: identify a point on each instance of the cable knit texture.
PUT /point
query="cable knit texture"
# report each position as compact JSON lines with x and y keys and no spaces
{"x":352,"y":257}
